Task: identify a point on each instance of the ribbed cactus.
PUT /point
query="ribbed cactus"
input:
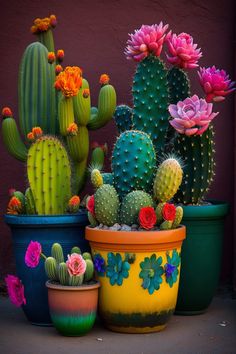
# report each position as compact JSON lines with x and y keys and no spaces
{"x":133,"y":162}
{"x":131,"y":205}
{"x":123,"y":118}
{"x":29,"y":202}
{"x":51,"y":268}
{"x":197,"y":154}
{"x":88,"y":275}
{"x":63,"y":275}
{"x":167,"y":180}
{"x":49,"y":174}
{"x":57,"y":253}
{"x":107,"y":205}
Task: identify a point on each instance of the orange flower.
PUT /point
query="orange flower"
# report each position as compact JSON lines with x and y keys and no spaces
{"x":60,"y":55}
{"x":30,"y":136}
{"x":6,"y":112}
{"x":51,"y":57}
{"x":72,"y":129}
{"x":69,"y":81}
{"x":104,"y":79}
{"x":14,"y":206}
{"x":58,"y":69}
{"x":37,"y":132}
{"x":53,"y":20}
{"x":43,"y":24}
{"x":86,"y":93}
{"x":74,"y":203}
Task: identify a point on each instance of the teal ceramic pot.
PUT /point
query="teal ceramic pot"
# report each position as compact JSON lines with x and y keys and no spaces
{"x":200,"y":257}
{"x":68,"y":230}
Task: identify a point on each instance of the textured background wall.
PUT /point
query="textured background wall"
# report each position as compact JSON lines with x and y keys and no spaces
{"x":93,"y":35}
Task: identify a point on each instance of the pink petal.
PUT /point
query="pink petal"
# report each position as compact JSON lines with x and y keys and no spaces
{"x":191,"y":131}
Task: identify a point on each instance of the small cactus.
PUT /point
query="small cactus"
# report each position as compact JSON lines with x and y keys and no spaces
{"x":88,"y":275}
{"x":96,"y":178}
{"x":107,"y":205}
{"x":178,"y":217}
{"x":57,"y":253}
{"x":51,"y":268}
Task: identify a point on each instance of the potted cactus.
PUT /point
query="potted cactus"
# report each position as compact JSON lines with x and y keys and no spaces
{"x":55,"y":117}
{"x":72,"y":291}
{"x":161,"y":95}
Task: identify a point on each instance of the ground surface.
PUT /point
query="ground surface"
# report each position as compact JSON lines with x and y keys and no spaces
{"x":211,"y":333}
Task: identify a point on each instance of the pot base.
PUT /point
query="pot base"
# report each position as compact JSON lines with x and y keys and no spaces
{"x":136,"y":330}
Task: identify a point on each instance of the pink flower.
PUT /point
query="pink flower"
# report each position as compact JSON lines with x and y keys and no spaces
{"x":183,"y":53}
{"x":76,"y":265}
{"x":191,"y":116}
{"x":145,"y":41}
{"x":32,"y":254}
{"x":215,"y":83}
{"x":15,"y":290}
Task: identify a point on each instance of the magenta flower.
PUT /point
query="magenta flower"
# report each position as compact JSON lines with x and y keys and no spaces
{"x":15,"y":290}
{"x":32,"y":254}
{"x":145,"y":41}
{"x":215,"y":83}
{"x":76,"y":265}
{"x":183,"y":53}
{"x":191,"y":116}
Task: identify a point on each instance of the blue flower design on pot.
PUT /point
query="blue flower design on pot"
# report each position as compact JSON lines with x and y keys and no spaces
{"x":171,"y":268}
{"x":151,"y":272}
{"x":117,"y":269}
{"x":99,"y":264}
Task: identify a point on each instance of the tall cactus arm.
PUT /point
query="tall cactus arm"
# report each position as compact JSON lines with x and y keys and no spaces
{"x":65,"y":113}
{"x":78,"y":145}
{"x":79,"y":176}
{"x":106,"y":108}
{"x":46,"y":38}
{"x":82,"y":104}
{"x":12,"y":139}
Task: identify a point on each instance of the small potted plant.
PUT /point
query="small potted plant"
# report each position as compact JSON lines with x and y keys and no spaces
{"x":72,"y":291}
{"x":55,"y":117}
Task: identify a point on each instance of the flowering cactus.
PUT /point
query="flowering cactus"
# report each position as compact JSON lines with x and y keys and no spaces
{"x":191,"y":116}
{"x":215,"y":83}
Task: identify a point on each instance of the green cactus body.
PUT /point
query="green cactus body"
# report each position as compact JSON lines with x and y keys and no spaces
{"x":12,"y":139}
{"x":49,"y":175}
{"x":46,"y":38}
{"x":178,"y":217}
{"x":106,"y":108}
{"x":29,"y":202}
{"x":133,"y":162}
{"x":82,"y":105}
{"x":106,"y":205}
{"x":50,"y":266}
{"x":36,"y":91}
{"x":151,"y":100}
{"x":167,"y":180}
{"x":179,"y":85}
{"x":96,"y":178}
{"x":88,"y":275}
{"x":197,"y":154}
{"x":98,"y":157}
{"x":92,"y":221}
{"x":75,"y":249}
{"x":78,"y":145}
{"x":131,"y":205}
{"x":158,"y":211}
{"x":76,"y":280}
{"x":86,"y":255}
{"x":123,"y":118}
{"x":166,"y":225}
{"x":57,"y":253}
{"x":63,"y":274}
{"x":108,"y":178}
{"x":66,"y":114}
{"x":79,"y":176}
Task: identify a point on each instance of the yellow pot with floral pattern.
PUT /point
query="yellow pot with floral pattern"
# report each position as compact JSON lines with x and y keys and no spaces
{"x":139,"y":275}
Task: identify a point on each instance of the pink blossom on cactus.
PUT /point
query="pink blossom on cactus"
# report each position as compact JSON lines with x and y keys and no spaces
{"x":183,"y":53}
{"x":32,"y":254}
{"x":15,"y":290}
{"x":145,"y":41}
{"x":191,"y":116}
{"x":215,"y":83}
{"x":76,"y":265}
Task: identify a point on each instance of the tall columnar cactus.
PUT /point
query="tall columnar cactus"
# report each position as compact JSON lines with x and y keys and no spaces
{"x":133,"y":162}
{"x":42,"y":27}
{"x":49,"y":175}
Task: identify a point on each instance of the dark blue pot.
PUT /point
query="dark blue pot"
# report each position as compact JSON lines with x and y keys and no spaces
{"x":68,"y":230}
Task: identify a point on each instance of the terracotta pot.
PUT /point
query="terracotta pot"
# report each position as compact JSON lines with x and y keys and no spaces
{"x":73,"y":308}
{"x":139,"y":276}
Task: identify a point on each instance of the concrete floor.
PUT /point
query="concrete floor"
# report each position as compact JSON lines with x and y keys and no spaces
{"x":211,"y":333}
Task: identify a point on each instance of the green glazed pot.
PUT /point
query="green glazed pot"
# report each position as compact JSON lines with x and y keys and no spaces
{"x":200,"y":257}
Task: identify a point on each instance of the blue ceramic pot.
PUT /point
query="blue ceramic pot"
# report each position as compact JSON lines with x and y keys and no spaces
{"x":68,"y":230}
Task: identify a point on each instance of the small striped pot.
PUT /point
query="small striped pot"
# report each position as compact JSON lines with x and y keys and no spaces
{"x":73,"y":308}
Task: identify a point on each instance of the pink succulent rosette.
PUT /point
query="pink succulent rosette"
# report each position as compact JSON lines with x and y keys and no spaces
{"x":215,"y":83}
{"x":183,"y":53}
{"x":145,"y":41}
{"x":191,"y":116}
{"x":32,"y":254}
{"x":76,"y":265}
{"x":15,"y":290}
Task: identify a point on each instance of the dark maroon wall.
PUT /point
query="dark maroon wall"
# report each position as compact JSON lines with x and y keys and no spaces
{"x":93,"y":35}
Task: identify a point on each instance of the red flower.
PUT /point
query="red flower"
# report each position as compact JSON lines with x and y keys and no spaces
{"x":15,"y":290}
{"x":6,"y":112}
{"x":32,"y":255}
{"x":147,"y":217}
{"x":169,"y":212}
{"x":91,"y":205}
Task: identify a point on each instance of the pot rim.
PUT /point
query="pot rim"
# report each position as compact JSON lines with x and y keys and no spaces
{"x":217,"y":209}
{"x":83,"y":287}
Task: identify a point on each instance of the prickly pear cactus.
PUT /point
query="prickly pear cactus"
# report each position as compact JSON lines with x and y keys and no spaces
{"x":133,"y":162}
{"x":107,"y":205}
{"x":123,"y":118}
